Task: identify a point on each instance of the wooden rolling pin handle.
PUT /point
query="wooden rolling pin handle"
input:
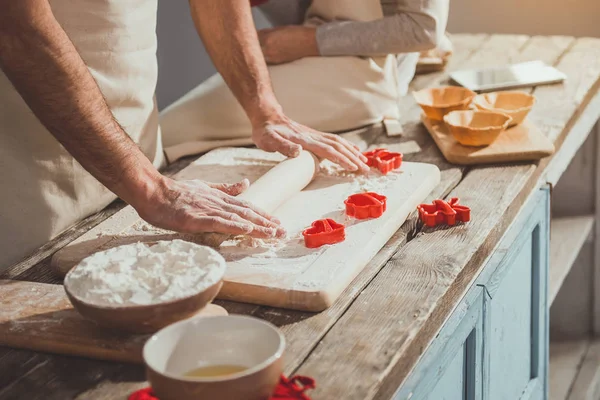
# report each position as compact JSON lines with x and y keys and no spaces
{"x":274,"y":188}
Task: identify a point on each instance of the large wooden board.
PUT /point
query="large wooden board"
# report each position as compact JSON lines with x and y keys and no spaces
{"x":39,"y":316}
{"x":411,"y":303}
{"x":523,"y":142}
{"x":433,"y":269}
{"x":285,"y":273}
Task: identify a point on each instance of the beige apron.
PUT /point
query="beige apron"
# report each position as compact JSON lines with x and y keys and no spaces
{"x":326,"y":93}
{"x":44,"y":190}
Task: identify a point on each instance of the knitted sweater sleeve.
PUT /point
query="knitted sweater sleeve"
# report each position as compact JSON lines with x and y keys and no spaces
{"x":408,"y":26}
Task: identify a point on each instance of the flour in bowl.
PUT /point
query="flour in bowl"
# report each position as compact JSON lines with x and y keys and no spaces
{"x":141,"y":274}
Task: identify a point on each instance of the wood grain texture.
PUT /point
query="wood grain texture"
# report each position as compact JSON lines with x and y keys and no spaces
{"x":560,"y":106}
{"x":523,"y":142}
{"x":433,"y":270}
{"x":462,"y":333}
{"x":587,"y":383}
{"x":286,"y":275}
{"x":39,"y":316}
{"x":567,"y":236}
{"x":302,"y":329}
{"x":433,"y":273}
{"x":566,"y":358}
{"x":570,"y":149}
{"x":388,"y":352}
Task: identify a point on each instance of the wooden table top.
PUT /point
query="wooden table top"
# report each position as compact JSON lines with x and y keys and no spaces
{"x":366,"y":344}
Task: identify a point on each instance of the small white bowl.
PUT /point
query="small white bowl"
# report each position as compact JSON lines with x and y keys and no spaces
{"x":224,"y":340}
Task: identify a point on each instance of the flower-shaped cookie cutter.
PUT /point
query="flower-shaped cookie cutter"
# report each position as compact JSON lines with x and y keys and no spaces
{"x":322,"y":232}
{"x":384,"y":160}
{"x":442,"y":212}
{"x":365,"y":205}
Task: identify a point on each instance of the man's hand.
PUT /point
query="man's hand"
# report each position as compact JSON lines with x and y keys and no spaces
{"x":195,"y":206}
{"x":289,"y":138}
{"x":285,"y":44}
{"x":230,"y":37}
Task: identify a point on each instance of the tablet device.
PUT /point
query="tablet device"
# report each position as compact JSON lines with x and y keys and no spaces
{"x":531,"y":73}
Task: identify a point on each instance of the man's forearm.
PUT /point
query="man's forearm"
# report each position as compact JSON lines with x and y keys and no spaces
{"x":229,"y":35}
{"x":45,"y":68}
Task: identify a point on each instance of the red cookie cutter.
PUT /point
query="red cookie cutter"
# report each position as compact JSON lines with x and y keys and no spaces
{"x":384,"y":160}
{"x":287,"y":389}
{"x":365,"y":205}
{"x":442,"y":212}
{"x":324,"y":231}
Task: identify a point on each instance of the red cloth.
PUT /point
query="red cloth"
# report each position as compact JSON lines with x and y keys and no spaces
{"x":293,"y":388}
{"x":255,"y":3}
{"x":143,"y":394}
{"x":287,"y":389}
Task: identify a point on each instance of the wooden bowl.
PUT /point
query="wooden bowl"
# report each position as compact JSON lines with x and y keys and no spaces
{"x":515,"y":104}
{"x":234,"y":340}
{"x":476,"y":128}
{"x":147,"y":318}
{"x":437,"y":102}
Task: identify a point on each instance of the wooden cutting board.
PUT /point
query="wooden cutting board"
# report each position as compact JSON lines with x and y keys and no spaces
{"x":523,"y":142}
{"x":38,"y":316}
{"x":283,"y":273}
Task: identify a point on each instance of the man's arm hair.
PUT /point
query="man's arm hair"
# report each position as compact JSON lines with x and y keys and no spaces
{"x":43,"y":65}
{"x":229,"y":35}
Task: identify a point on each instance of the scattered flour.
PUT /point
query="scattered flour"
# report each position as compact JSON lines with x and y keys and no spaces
{"x":139,"y":274}
{"x":291,"y":255}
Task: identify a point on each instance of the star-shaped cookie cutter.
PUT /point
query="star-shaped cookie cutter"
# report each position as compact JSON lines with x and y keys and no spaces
{"x":442,"y":212}
{"x":365,"y":205}
{"x":383,"y":159}
{"x":322,"y":232}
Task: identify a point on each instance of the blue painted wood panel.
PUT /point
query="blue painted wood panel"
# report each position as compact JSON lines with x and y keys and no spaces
{"x":516,"y":342}
{"x":509,"y":338}
{"x":455,"y":355}
{"x":495,"y":344}
{"x":452,"y":384}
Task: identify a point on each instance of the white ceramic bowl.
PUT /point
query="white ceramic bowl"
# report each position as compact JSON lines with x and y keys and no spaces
{"x":223,"y":340}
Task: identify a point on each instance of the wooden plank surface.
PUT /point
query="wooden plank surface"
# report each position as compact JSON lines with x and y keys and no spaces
{"x":567,"y":236}
{"x":302,"y":330}
{"x":284,"y":274}
{"x":39,"y":316}
{"x":382,"y":361}
{"x":566,"y":358}
{"x":434,"y":269}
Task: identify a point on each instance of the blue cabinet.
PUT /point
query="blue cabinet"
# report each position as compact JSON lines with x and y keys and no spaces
{"x":495,"y":344}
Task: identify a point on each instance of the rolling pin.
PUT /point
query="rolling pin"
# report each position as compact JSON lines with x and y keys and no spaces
{"x":274,"y":188}
{"x":268,"y":192}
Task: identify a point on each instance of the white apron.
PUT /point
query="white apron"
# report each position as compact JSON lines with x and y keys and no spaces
{"x":325,"y":93}
{"x":44,"y":190}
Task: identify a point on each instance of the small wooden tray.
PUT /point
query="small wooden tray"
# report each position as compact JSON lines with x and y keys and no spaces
{"x":38,"y":316}
{"x":523,"y":142}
